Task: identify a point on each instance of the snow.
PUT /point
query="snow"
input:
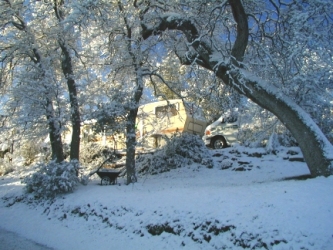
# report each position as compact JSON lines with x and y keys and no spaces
{"x":252,"y":202}
{"x":171,"y":16}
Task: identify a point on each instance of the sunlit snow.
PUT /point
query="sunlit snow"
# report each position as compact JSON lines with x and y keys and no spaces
{"x":252,"y":202}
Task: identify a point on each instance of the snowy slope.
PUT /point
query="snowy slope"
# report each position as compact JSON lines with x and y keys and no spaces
{"x":244,"y":201}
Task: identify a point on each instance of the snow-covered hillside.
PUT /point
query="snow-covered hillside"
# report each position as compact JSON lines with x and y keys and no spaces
{"x":248,"y":200}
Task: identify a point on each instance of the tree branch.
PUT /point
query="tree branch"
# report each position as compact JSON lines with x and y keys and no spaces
{"x":238,"y":50}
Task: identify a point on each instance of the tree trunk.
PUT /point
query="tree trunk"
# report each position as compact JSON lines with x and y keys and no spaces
{"x":56,"y":145}
{"x":317,"y":151}
{"x":130,"y":129}
{"x":130,"y":146}
{"x":67,"y":69}
{"x":133,"y":111}
{"x":55,"y":136}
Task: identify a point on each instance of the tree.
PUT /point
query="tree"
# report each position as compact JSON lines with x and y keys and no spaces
{"x":38,"y":54}
{"x":134,"y":59}
{"x":286,"y":48}
{"x":277,"y":53}
{"x":68,"y":71}
{"x":121,"y":67}
{"x":206,"y":50}
{"x":28,"y":76}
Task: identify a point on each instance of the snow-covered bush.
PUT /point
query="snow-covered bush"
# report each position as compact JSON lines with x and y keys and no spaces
{"x":158,"y":162}
{"x":272,"y":143}
{"x":180,"y":150}
{"x":188,"y":146}
{"x":52,"y":179}
{"x":226,"y":164}
{"x":5,"y":167}
{"x":29,"y":150}
{"x":286,"y":139}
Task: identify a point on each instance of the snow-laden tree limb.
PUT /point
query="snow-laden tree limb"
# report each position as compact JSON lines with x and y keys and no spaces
{"x":317,"y":150}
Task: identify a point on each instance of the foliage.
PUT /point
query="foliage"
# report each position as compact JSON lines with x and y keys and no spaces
{"x":256,"y":126}
{"x":180,"y":150}
{"x":52,"y":179}
{"x":29,"y":150}
{"x":292,"y":51}
{"x":110,"y":116}
{"x":5,"y":167}
{"x":93,"y":154}
{"x":209,"y":93}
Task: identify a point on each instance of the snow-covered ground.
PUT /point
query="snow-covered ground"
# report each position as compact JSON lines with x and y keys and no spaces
{"x":246,"y":200}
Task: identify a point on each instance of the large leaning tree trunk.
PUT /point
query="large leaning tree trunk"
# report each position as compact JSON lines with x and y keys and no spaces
{"x":317,"y":150}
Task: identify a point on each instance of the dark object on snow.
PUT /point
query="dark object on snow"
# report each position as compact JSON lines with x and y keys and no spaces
{"x":295,"y":158}
{"x":108,"y":176}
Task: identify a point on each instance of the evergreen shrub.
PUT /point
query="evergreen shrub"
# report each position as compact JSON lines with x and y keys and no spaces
{"x":181,"y":149}
{"x":52,"y":179}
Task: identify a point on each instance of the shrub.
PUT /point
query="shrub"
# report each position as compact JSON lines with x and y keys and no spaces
{"x":29,"y":151}
{"x":5,"y":167}
{"x":180,"y":150}
{"x":188,"y":146}
{"x":158,"y":162}
{"x":52,"y":179}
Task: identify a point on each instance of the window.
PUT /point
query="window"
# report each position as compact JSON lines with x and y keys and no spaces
{"x":167,"y":110}
{"x":230,"y":119}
